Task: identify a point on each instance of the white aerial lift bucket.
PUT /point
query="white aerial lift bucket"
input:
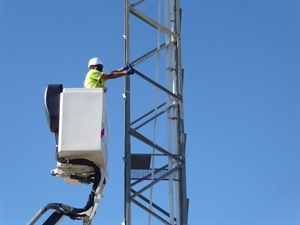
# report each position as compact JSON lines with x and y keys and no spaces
{"x":77,"y":117}
{"x":83,"y":130}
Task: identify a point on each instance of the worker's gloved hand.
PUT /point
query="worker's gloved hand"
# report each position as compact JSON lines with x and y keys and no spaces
{"x":130,"y":70}
{"x":127,"y":66}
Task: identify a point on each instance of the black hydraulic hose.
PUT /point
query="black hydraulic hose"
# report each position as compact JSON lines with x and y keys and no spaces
{"x":72,"y":212}
{"x":90,"y":202}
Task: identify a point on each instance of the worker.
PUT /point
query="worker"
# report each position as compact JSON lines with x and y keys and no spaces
{"x":96,"y":78}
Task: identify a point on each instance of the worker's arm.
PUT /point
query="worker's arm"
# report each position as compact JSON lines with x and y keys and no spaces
{"x":120,"y":70}
{"x":114,"y":75}
{"x":118,"y":73}
{"x":127,"y":68}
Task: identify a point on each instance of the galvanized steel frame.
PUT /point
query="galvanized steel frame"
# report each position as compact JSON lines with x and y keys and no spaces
{"x":173,"y":173}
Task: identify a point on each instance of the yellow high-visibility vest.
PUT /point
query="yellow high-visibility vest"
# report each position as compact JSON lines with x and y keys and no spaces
{"x":94,"y":79}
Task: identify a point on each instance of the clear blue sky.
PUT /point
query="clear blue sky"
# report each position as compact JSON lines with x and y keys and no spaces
{"x":241,"y":98}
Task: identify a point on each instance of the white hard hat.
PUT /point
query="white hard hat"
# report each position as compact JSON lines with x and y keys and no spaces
{"x":94,"y":62}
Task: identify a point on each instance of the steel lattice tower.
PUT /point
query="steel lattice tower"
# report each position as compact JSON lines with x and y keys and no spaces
{"x":155,"y":141}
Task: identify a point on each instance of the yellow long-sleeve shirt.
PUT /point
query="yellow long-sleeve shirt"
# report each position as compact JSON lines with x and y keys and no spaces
{"x":94,"y":79}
